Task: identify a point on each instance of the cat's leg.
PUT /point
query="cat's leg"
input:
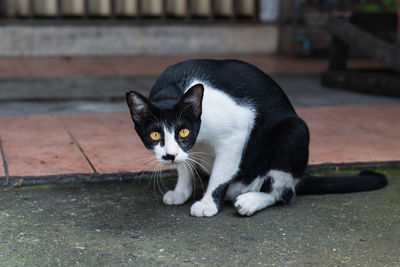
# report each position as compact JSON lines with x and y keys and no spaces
{"x":279,"y":187}
{"x":226,"y":165}
{"x":237,"y":188}
{"x":183,"y":189}
{"x":234,"y":190}
{"x":288,"y":146}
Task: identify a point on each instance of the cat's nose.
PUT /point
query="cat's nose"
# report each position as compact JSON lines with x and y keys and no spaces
{"x":168,"y":157}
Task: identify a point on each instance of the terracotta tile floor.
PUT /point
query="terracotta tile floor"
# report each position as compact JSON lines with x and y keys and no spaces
{"x":109,"y":141}
{"x":38,"y":146}
{"x":148,"y":66}
{"x":106,"y":143}
{"x":353,"y":133}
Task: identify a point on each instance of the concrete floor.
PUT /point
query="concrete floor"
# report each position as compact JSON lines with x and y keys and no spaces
{"x":126,"y":224}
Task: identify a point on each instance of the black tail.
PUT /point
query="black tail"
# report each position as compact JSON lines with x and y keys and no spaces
{"x":364,"y":181}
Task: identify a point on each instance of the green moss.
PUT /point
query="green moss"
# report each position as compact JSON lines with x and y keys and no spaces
{"x":345,"y":170}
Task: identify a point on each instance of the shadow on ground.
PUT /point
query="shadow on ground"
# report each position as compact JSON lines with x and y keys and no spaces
{"x":127,"y":224}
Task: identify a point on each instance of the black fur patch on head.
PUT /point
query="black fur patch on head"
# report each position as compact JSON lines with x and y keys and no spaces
{"x":144,"y":115}
{"x":219,"y":193}
{"x":156,"y":115}
{"x":139,"y":106}
{"x":192,"y":100}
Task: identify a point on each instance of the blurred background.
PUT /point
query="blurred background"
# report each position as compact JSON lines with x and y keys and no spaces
{"x":81,"y":55}
{"x":285,"y":27}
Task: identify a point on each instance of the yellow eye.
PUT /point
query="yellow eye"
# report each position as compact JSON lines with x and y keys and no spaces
{"x":184,"y":133}
{"x":155,"y":136}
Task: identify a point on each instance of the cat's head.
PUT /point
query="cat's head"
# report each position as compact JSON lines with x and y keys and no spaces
{"x":170,"y":131}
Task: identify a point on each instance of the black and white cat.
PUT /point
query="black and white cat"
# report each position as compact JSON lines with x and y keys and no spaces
{"x":232,"y":119}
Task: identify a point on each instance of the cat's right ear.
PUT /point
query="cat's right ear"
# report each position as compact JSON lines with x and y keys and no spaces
{"x":192,"y":99}
{"x":139,"y":106}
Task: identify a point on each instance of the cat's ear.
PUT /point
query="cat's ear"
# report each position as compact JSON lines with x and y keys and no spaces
{"x":139,"y":106}
{"x":193,"y":99}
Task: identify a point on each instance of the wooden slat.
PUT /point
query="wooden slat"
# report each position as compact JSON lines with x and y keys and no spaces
{"x":212,"y":14}
{"x":212,"y":10}
{"x":113,"y":5}
{"x":255,"y":11}
{"x":59,"y":9}
{"x":3,"y":9}
{"x":188,"y":9}
{"x":164,"y":10}
{"x":31,"y":9}
{"x":86,"y":9}
{"x":234,"y":10}
{"x":139,"y":9}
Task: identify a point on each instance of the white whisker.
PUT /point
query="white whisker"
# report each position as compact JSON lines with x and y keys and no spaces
{"x":188,"y":166}
{"x":150,"y":164}
{"x":193,"y":165}
{"x":196,"y":160}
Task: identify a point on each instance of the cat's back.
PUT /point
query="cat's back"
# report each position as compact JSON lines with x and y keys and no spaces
{"x":245,"y":83}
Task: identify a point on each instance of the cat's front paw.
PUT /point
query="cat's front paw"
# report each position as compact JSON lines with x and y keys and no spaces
{"x":173,"y":197}
{"x":203,"y":209}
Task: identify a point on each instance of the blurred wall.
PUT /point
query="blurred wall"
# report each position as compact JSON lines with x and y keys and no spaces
{"x":162,"y":39}
{"x":137,"y":27}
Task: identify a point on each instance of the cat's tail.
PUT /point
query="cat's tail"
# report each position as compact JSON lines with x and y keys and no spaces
{"x":366,"y":180}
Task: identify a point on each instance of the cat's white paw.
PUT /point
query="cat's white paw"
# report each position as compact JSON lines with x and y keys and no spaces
{"x":251,"y":202}
{"x":173,"y":197}
{"x":203,"y":209}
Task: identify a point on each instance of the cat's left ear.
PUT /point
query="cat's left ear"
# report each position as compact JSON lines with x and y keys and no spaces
{"x":193,"y":99}
{"x":139,"y":106}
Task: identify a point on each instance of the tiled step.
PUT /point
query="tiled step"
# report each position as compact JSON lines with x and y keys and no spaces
{"x":104,"y":143}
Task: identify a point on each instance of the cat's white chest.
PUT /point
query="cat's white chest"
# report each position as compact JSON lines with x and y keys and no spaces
{"x":224,"y":131}
{"x":223,"y":119}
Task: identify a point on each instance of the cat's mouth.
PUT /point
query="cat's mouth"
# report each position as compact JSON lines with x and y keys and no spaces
{"x":169,"y":164}
{"x":170,"y":161}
